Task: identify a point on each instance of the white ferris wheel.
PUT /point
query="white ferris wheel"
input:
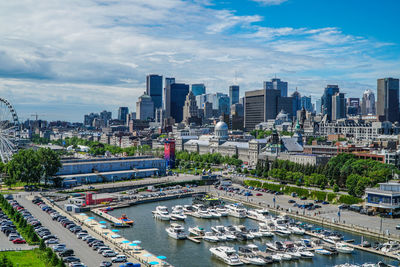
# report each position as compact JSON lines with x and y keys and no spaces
{"x":9,"y":130}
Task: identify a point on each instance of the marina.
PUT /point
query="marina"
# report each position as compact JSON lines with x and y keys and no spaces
{"x":147,"y":227}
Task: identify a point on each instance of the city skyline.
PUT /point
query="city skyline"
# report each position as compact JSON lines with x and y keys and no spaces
{"x":63,"y":65}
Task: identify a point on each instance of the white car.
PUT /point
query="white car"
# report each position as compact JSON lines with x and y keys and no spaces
{"x":119,"y":258}
{"x":77,"y":264}
{"x":109,"y":253}
{"x":51,"y":241}
{"x":102,"y":249}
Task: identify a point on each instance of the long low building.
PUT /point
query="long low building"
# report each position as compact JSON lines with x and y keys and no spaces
{"x":386,"y":198}
{"x":85,"y":171}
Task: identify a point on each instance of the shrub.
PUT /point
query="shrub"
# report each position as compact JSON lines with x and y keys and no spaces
{"x":347,"y":199}
{"x":318,"y":195}
{"x":331,"y":197}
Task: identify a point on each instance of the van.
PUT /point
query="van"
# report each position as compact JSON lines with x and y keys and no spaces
{"x":119,"y":258}
{"x":226,"y":182}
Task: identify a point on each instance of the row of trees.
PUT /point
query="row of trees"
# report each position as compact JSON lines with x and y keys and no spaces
{"x":260,"y":134}
{"x":30,"y":167}
{"x":343,"y":171}
{"x":209,"y":158}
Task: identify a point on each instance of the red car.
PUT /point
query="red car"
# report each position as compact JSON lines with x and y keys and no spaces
{"x":258,"y":194}
{"x":19,"y":241}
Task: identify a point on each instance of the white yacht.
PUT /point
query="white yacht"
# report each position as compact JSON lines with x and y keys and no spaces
{"x":259,"y":214}
{"x":227,"y":255}
{"x":237,"y":210}
{"x":201,"y":212}
{"x":197,"y":231}
{"x":176,"y":231}
{"x":305,"y":254}
{"x":243,"y":230}
{"x":188,"y":208}
{"x":162,"y":213}
{"x":214,"y":213}
{"x":210,"y":237}
{"x":276,"y":257}
{"x":282,"y":231}
{"x":253,"y":260}
{"x":266,"y":228}
{"x":390,"y":246}
{"x":294,"y":254}
{"x":221,"y":237}
{"x":285,"y":256}
{"x":222,"y":211}
{"x":344,"y":248}
{"x":177,"y":215}
{"x":275,"y":246}
{"x":296,"y":230}
{"x":178,"y":208}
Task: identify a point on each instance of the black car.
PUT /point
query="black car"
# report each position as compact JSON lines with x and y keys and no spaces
{"x":67,"y":253}
{"x":71,"y":259}
{"x":291,"y":201}
{"x":303,"y":198}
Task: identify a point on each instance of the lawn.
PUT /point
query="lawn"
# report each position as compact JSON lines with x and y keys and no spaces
{"x":25,"y":257}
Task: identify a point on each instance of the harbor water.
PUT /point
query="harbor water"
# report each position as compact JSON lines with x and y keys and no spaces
{"x":185,"y":253}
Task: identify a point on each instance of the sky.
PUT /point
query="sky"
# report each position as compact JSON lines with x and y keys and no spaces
{"x":63,"y":59}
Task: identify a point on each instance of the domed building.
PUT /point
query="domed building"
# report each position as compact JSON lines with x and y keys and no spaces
{"x":221,"y":130}
{"x":281,"y":118}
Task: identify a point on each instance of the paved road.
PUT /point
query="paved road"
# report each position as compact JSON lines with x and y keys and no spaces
{"x":87,"y":255}
{"x":8,"y":245}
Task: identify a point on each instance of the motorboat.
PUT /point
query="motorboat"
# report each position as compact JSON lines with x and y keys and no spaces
{"x":282,"y":231}
{"x":322,"y":251}
{"x":220,"y":229}
{"x":242,"y":229}
{"x":188,"y":208}
{"x":253,"y":260}
{"x":210,"y":237}
{"x":259,"y":214}
{"x":296,"y":230}
{"x":214,"y":213}
{"x":266,"y":228}
{"x":294,"y":254}
{"x":222,"y":211}
{"x":179,"y":208}
{"x":221,"y":237}
{"x":275,"y":246}
{"x":176,"y":231}
{"x":330,"y":248}
{"x":201,"y":212}
{"x":255,"y":233}
{"x":305,"y":254}
{"x":197,"y":231}
{"x":344,"y":248}
{"x":125,"y":220}
{"x":276,"y":257}
{"x":177,"y":215}
{"x":390,"y":246}
{"x":237,"y":210}
{"x":162,"y":213}
{"x":285,"y":256}
{"x":227,"y":255}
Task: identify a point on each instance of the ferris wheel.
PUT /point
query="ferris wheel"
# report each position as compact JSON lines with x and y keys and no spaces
{"x":9,"y":130}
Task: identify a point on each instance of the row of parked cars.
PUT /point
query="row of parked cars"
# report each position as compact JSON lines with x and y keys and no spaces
{"x":9,"y":229}
{"x":51,"y":240}
{"x":94,"y":243}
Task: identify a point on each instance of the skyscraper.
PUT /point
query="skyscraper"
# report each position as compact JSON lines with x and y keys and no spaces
{"x":277,"y":84}
{"x":306,"y":103}
{"x":353,"y":106}
{"x":190,"y":110}
{"x":296,"y":103}
{"x":154,"y":89}
{"x":233,"y":94}
{"x":338,"y":106}
{"x":122,"y":113}
{"x":178,"y":93}
{"x":144,"y":108}
{"x":368,"y":103}
{"x":167,"y":96}
{"x":326,"y":100}
{"x":388,"y":99}
{"x":318,"y":106}
{"x":198,"y":89}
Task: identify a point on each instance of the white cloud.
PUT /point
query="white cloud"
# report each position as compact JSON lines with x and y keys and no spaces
{"x":95,"y":54}
{"x":270,"y":2}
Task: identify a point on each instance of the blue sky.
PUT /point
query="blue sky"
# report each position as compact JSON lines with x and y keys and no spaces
{"x":63,"y":59}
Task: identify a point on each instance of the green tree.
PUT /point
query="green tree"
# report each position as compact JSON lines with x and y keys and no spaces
{"x":25,"y":166}
{"x":50,"y":162}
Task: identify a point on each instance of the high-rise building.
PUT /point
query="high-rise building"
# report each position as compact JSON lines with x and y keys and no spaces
{"x":338,"y":106}
{"x":177,"y":93}
{"x":198,"y":89}
{"x":154,"y":89}
{"x":368,"y":103}
{"x":296,"y":103}
{"x":262,"y":105}
{"x":220,"y":102}
{"x":353,"y":106}
{"x":207,"y":110}
{"x":237,"y":117}
{"x":318,"y":106}
{"x":326,"y":100}
{"x":122,"y":112}
{"x":306,"y":103}
{"x":224,"y":106}
{"x":167,"y":96}
{"x":277,"y":84}
{"x":233,"y":94}
{"x":145,"y":108}
{"x":106,"y":116}
{"x":88,"y":119}
{"x":190,"y":110}
{"x":388,"y":99}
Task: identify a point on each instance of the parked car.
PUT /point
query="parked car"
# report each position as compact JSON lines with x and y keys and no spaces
{"x":19,"y":241}
{"x":119,"y":258}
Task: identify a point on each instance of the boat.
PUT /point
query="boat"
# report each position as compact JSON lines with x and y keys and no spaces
{"x":294,"y":254}
{"x":162,"y":213}
{"x":201,"y":212}
{"x":107,"y":209}
{"x":282,"y":231}
{"x":258,"y":214}
{"x":176,"y":231}
{"x":242,"y":229}
{"x":214,"y":213}
{"x":177,"y":215}
{"x":210,"y":237}
{"x":120,"y":225}
{"x":256,"y":233}
{"x":390,"y":246}
{"x":188,"y":208}
{"x":285,"y":256}
{"x":296,"y":230}
{"x":197,"y":231}
{"x":253,"y":260}
{"x":275,"y":246}
{"x":331,"y":249}
{"x":236,"y":210}
{"x":305,"y":254}
{"x":344,"y":248}
{"x":220,"y":229}
{"x":276,"y":257}
{"x":222,"y":211}
{"x":322,"y":251}
{"x":227,"y":255}
{"x":221,"y":237}
{"x":124,"y":219}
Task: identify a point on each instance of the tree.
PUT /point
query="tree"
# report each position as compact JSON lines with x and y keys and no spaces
{"x":50,"y":162}
{"x":42,"y":245}
{"x":25,"y":166}
{"x":335,"y":188}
